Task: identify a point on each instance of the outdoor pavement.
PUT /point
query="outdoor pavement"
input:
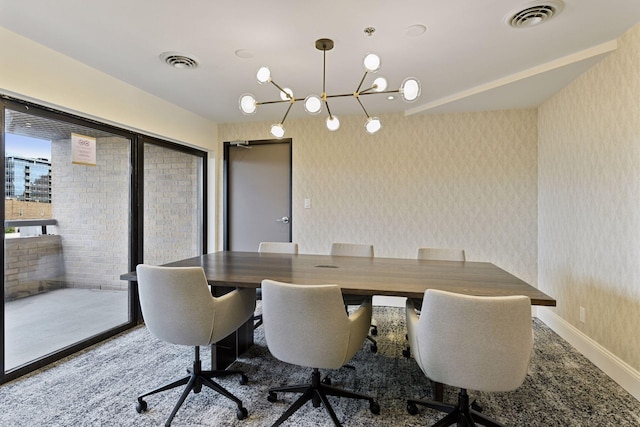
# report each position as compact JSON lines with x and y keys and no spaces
{"x":38,"y":325}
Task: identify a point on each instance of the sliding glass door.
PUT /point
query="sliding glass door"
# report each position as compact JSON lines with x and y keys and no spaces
{"x":84,"y":203}
{"x":66,"y":237}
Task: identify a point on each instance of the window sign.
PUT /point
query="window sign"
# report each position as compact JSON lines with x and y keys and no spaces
{"x":83,"y":150}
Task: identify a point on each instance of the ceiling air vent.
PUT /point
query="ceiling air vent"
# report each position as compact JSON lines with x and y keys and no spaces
{"x":178,"y":60}
{"x":534,"y":14}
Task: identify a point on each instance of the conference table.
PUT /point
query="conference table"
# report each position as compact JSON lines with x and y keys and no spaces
{"x":227,"y":270}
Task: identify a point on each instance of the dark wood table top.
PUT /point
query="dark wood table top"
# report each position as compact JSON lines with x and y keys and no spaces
{"x":361,"y":276}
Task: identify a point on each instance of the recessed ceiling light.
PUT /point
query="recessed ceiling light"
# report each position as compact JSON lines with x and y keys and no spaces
{"x":415,"y":30}
{"x":534,"y":14}
{"x":178,"y":60}
{"x":244,"y":53}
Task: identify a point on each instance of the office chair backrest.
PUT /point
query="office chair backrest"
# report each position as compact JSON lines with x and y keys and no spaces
{"x":306,"y":325}
{"x":278,"y":247}
{"x":352,"y":249}
{"x":441,"y":254}
{"x":477,"y":343}
{"x":178,"y":307}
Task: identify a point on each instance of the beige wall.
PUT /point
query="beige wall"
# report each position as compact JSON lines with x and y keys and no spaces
{"x":589,"y":198}
{"x":453,"y":180}
{"x":32,"y":72}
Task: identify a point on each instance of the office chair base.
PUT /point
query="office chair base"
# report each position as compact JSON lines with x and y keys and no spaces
{"x":317,"y":392}
{"x":194,"y":381}
{"x":258,"y":321}
{"x":461,"y":414}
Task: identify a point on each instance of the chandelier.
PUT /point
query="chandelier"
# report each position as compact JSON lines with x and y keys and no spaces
{"x":409,"y":91}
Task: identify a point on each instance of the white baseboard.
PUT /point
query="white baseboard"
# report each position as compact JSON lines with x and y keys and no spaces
{"x":609,"y":363}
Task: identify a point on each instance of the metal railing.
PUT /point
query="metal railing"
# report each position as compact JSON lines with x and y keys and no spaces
{"x":31,"y":223}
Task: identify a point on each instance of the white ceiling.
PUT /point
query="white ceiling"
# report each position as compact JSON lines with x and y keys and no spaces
{"x":467,"y":60}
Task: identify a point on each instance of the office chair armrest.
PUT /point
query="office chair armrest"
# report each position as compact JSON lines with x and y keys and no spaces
{"x":412,"y":327}
{"x":359,"y":323}
{"x":232,"y":310}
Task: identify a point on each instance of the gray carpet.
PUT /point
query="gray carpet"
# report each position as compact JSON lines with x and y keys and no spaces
{"x":98,"y":387}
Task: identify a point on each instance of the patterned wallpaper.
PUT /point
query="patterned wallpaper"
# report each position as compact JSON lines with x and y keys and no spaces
{"x":589,"y":200}
{"x":465,"y":180}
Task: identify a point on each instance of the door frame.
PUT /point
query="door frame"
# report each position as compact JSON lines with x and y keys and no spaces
{"x":225,"y":184}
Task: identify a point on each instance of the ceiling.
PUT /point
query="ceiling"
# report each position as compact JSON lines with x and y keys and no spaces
{"x":468,"y":59}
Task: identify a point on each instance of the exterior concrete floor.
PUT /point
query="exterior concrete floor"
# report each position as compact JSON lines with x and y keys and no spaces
{"x":41,"y":324}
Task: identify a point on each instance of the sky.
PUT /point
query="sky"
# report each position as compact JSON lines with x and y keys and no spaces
{"x":27,"y":147}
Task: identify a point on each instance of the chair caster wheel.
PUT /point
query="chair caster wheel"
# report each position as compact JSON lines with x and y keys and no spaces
{"x":242,"y":413}
{"x":374,"y":408}
{"x":243,"y":379}
{"x":272,"y":397}
{"x":326,"y":381}
{"x":141,"y":406}
{"x":374,"y":348}
{"x":412,"y":409}
{"x":374,"y":331}
{"x":406,"y":353}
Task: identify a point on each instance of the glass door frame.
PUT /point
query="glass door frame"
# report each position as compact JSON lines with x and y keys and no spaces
{"x":136,"y":226}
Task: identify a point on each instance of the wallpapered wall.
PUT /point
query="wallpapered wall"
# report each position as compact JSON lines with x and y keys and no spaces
{"x":464,"y":180}
{"x":589,"y":200}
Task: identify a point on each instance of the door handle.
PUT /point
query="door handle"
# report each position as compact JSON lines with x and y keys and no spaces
{"x":284,"y":220}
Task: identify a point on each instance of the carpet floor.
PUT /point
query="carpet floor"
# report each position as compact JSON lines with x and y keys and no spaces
{"x":99,"y":386}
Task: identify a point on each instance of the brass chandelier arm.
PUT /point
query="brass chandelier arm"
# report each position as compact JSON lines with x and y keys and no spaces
{"x":341,"y":95}
{"x":376,"y":93}
{"x":280,"y":101}
{"x":363,"y":109}
{"x":286,"y":114}
{"x":280,"y":89}
{"x":362,"y":81}
{"x":328,"y":109}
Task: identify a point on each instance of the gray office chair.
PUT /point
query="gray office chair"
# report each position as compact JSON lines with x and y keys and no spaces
{"x":292,"y":315}
{"x":441,"y":254}
{"x":278,"y":247}
{"x":360,"y":250}
{"x":178,"y":308}
{"x":273,"y":248}
{"x":435,"y":254}
{"x":470,"y":342}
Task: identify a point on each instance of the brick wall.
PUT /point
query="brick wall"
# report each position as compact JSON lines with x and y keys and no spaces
{"x":91,"y":204}
{"x":32,"y":265}
{"x":17,"y":209}
{"x":171,"y":210}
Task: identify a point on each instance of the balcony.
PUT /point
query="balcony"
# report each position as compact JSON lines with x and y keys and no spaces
{"x":47,"y":309}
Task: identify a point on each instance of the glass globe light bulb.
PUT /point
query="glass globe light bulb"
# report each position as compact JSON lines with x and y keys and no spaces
{"x":381,"y":84}
{"x":312,"y":104}
{"x":333,"y":123}
{"x":371,"y":62}
{"x":283,"y":95}
{"x":410,"y":89}
{"x":277,"y":130}
{"x":248,"y":104}
{"x":373,"y":125}
{"x":263,"y":75}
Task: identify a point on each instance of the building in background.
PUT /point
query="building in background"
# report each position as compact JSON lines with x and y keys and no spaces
{"x":27,"y":188}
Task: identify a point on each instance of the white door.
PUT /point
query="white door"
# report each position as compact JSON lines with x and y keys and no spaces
{"x":258,"y":194}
